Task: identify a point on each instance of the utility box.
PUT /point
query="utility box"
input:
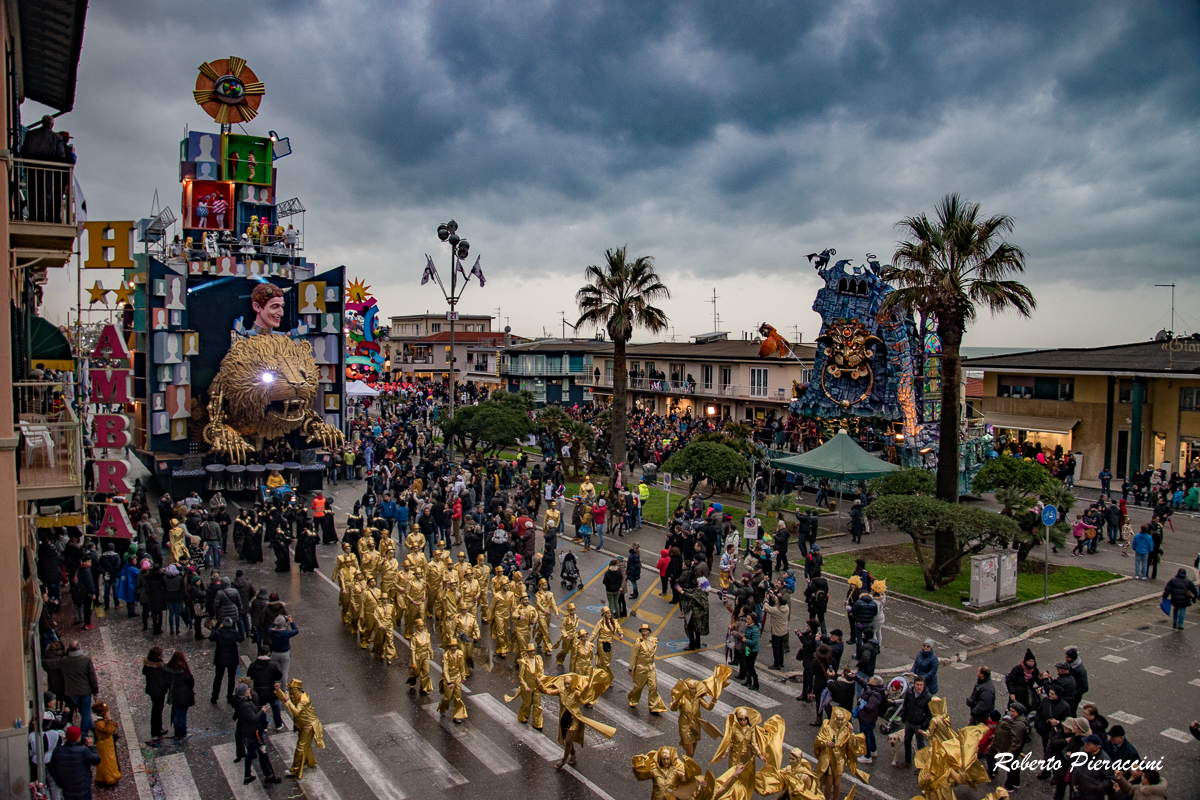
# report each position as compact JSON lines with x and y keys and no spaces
{"x":1008,"y":576}
{"x":985,"y":583}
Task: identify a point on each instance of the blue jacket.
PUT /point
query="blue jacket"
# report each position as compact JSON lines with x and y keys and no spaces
{"x":127,"y":584}
{"x":752,"y":632}
{"x":1143,"y":542}
{"x":926,"y":666}
{"x":71,"y":767}
{"x":633,"y":566}
{"x":388,"y":509}
{"x":401,"y":514}
{"x":281,"y":641}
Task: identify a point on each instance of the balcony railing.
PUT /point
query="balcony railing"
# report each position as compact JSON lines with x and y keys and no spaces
{"x":731,"y":390}
{"x":51,"y":438}
{"x":42,"y":191}
{"x":566,"y":371}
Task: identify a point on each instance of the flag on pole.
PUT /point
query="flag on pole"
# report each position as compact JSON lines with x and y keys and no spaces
{"x":462,"y":270}
{"x":430,"y":272}
{"x":477,"y":271}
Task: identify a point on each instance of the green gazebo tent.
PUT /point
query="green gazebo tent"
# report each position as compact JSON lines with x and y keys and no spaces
{"x":838,"y":459}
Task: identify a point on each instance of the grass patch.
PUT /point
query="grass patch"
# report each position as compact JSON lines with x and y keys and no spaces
{"x":656,"y":508}
{"x":898,"y":565}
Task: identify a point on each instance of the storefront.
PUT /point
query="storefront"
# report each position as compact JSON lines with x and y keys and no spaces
{"x":1044,"y":433}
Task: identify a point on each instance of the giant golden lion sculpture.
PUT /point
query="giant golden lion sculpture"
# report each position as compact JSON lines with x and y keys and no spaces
{"x":264,"y":388}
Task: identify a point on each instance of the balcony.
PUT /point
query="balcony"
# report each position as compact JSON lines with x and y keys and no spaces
{"x":51,"y":460}
{"x":41,"y":226}
{"x":583,"y":373}
{"x":685,"y":388}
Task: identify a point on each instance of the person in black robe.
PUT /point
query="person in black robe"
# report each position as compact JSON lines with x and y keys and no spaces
{"x":353,"y":532}
{"x":253,"y":544}
{"x":280,"y":542}
{"x":306,"y":550}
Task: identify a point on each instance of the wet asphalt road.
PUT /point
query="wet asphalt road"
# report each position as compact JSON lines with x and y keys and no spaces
{"x":384,"y":742}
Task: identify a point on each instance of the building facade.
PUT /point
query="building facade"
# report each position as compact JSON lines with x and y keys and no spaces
{"x":40,"y":457}
{"x":1124,"y":406}
{"x":409,"y":356}
{"x":713,"y":377}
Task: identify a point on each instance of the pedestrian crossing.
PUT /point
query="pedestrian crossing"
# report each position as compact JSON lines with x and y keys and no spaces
{"x":364,"y":761}
{"x":316,"y":782}
{"x":422,"y":752}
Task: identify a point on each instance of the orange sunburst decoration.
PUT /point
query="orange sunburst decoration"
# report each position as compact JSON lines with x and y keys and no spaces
{"x":228,"y":90}
{"x":357,"y":291}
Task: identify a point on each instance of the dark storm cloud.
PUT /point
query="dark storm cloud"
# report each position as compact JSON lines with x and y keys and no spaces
{"x":688,"y":127}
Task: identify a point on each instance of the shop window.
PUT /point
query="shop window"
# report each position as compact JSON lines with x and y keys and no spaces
{"x":1019,"y":386}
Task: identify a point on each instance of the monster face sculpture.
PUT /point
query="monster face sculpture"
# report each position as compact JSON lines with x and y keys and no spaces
{"x":849,"y":348}
{"x":264,"y":389}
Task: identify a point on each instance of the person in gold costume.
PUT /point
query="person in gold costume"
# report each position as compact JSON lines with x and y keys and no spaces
{"x":448,"y":610}
{"x":433,"y":583}
{"x":587,"y":489}
{"x":747,"y":736}
{"x":304,"y":720}
{"x":355,"y":601}
{"x":671,"y":776}
{"x":389,"y":575}
{"x":468,"y":593}
{"x":689,"y":697}
{"x":415,"y":599}
{"x":951,"y":758}
{"x":347,"y":576}
{"x":344,"y":562}
{"x":530,"y":688}
{"x":366,"y":620}
{"x":545,"y":606}
{"x":177,"y":541}
{"x":466,"y":630}
{"x":567,"y":631}
{"x":837,"y":748}
{"x":481,"y":575}
{"x":415,"y":543}
{"x":550,"y":523}
{"x":516,"y":582}
{"x":582,"y":653}
{"x":368,"y":558}
{"x":738,"y":782}
{"x":575,"y":692}
{"x":384,"y":644}
{"x":454,"y":672}
{"x":642,"y":669}
{"x":796,"y":781}
{"x":607,"y":631}
{"x":500,"y":617}
{"x":422,"y":651}
{"x":524,"y":619}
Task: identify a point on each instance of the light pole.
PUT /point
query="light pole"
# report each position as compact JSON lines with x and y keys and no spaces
{"x":459,"y":249}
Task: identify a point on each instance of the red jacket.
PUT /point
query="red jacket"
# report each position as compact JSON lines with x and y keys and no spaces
{"x":457,"y":513}
{"x":599,"y":514}
{"x":663,"y":563}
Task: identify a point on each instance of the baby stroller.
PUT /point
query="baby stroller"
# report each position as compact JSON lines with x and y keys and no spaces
{"x":890,"y":718}
{"x":569,"y":574}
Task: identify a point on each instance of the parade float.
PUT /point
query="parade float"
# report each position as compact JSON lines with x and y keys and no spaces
{"x":235,"y":340}
{"x":876,"y":374}
{"x":365,"y":359}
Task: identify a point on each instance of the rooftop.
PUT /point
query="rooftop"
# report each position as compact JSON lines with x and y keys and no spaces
{"x":1174,"y":357}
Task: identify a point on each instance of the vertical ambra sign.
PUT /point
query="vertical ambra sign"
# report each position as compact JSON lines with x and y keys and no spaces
{"x":112,"y":386}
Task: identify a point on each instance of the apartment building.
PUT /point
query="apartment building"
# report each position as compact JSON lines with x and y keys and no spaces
{"x":40,"y":455}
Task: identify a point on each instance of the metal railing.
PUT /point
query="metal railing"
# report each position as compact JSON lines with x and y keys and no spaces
{"x":675,"y":387}
{"x":565,"y":370}
{"x":41,"y":191}
{"x":51,"y":436}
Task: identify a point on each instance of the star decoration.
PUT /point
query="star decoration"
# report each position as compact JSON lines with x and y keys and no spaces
{"x":97,"y":294}
{"x":123,"y":293}
{"x":358,"y":291}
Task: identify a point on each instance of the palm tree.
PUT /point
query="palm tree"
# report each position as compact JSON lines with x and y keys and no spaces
{"x":945,"y":268}
{"x":619,"y":297}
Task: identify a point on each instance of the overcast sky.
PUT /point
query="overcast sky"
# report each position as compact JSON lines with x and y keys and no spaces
{"x":725,"y":139}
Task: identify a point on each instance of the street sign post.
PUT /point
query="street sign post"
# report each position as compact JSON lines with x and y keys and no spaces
{"x":1049,"y":517}
{"x":666,"y":476}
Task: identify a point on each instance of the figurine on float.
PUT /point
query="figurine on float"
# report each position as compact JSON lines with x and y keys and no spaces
{"x":265,"y":386}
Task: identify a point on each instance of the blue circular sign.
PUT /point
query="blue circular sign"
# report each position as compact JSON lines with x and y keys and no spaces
{"x":1049,"y":516}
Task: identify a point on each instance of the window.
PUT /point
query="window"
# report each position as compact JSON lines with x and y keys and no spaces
{"x":436,"y":327}
{"x":758,"y":382}
{"x":706,"y":373}
{"x":470,"y":357}
{"x":1020,"y":386}
{"x":726,"y":378}
{"x":1189,"y":399}
{"x":1053,"y":388}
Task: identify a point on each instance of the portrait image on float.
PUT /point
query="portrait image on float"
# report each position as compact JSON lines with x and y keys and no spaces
{"x":265,"y":386}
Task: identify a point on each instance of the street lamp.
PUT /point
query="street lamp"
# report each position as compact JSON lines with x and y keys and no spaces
{"x":459,"y":249}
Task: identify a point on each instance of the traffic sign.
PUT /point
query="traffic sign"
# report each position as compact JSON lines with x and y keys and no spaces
{"x":1049,"y":516}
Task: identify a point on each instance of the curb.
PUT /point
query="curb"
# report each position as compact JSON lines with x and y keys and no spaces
{"x":991,"y":612}
{"x":1032,"y":632}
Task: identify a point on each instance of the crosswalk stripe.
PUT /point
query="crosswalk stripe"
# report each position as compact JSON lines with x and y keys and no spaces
{"x":624,"y":682}
{"x":444,"y":775}
{"x":224,"y":755}
{"x":492,"y":755}
{"x":625,"y":720}
{"x":315,"y":782}
{"x":368,"y":766}
{"x":508,"y":720}
{"x":754,"y":698}
{"x":175,"y":778}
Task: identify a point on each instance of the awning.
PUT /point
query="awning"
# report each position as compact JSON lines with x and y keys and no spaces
{"x":839,"y":458}
{"x":1021,"y":422}
{"x":48,"y":346}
